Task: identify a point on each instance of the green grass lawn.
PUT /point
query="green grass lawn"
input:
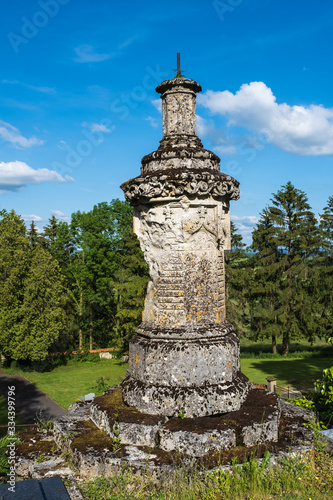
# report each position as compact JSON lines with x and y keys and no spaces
{"x":4,"y":418}
{"x":299,"y":373}
{"x":265,"y":346}
{"x":66,"y":383}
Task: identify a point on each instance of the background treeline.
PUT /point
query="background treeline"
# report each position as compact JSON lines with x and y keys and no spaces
{"x":77,"y":285}
{"x":284,"y":289}
{"x":81,"y":285}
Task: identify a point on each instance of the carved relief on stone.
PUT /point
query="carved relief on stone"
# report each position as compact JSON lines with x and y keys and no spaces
{"x":183,"y":244}
{"x":179,"y":113}
{"x":147,"y":188}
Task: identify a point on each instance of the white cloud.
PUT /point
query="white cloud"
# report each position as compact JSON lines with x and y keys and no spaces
{"x":303,"y":130}
{"x":245,"y":225}
{"x":158,"y":104}
{"x":32,"y":217}
{"x":86,"y":54}
{"x":229,"y":149}
{"x":13,"y":135}
{"x":99,"y":127}
{"x":14,"y":175}
{"x":43,"y":90}
{"x":152,"y":121}
{"x":250,"y":219}
{"x":60,"y":215}
{"x":223,"y":144}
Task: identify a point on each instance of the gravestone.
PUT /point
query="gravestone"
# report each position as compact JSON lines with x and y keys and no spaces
{"x":185,"y":357}
{"x":184,"y":396}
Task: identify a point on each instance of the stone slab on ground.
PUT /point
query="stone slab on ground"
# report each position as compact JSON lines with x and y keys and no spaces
{"x":258,"y":419}
{"x":295,"y":422}
{"x":108,"y":412}
{"x":179,"y":435}
{"x":47,"y":489}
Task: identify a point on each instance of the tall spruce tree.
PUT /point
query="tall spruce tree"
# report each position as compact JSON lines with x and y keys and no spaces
{"x":285,"y":239}
{"x":264,"y":292}
{"x":131,"y":280}
{"x":51,"y":231}
{"x":238,"y":279}
{"x":324,"y":272}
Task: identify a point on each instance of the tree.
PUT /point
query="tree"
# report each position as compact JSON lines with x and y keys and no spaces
{"x":264,"y":293}
{"x":131,"y":280}
{"x":51,"y":231}
{"x":33,"y":234}
{"x":89,"y":251}
{"x":285,"y":239}
{"x":30,"y":293}
{"x":14,"y":265}
{"x":41,"y":312}
{"x":323,"y":266}
{"x":238,"y":278}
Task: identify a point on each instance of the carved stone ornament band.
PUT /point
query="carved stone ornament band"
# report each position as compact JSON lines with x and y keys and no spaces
{"x":175,"y":185}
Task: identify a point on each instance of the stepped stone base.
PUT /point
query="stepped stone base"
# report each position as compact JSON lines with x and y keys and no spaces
{"x":103,"y":437}
{"x":194,"y":401}
{"x":256,"y":422}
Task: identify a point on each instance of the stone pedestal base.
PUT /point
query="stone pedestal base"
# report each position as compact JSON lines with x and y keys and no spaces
{"x":200,"y":401}
{"x":195,"y":377}
{"x":256,"y":422}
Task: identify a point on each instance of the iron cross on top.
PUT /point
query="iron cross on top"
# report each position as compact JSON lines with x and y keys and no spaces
{"x":179,"y":72}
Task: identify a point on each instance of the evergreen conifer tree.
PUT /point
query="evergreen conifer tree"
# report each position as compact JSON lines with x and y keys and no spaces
{"x":285,"y":238}
{"x":31,"y":318}
{"x":238,"y":279}
{"x":324,"y":272}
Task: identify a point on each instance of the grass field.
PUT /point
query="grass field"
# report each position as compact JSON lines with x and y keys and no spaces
{"x":66,"y":383}
{"x":299,"y":373}
{"x":4,"y":418}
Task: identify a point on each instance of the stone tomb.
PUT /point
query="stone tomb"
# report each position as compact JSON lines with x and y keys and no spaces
{"x":184,"y":394}
{"x":185,"y":357}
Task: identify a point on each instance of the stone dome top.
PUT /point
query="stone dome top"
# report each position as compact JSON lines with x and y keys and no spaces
{"x":177,"y":83}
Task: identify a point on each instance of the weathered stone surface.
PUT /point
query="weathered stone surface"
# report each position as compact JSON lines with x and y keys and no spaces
{"x":258,"y":419}
{"x":196,"y":401}
{"x":181,"y":217}
{"x":53,"y":467}
{"x":172,"y":183}
{"x":127,"y":424}
{"x":205,"y":436}
{"x":295,"y":423}
{"x":194,"y":363}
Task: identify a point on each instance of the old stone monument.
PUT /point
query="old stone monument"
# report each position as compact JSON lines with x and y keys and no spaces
{"x":185,"y":356}
{"x":184,"y":397}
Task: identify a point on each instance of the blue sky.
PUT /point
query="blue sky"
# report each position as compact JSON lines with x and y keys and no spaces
{"x":78,"y":109}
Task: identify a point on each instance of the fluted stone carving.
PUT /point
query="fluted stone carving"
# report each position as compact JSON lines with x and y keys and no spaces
{"x":185,"y":356}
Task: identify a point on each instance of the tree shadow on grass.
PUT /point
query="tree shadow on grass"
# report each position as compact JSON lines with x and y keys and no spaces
{"x":28,"y":399}
{"x":301,"y":373}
